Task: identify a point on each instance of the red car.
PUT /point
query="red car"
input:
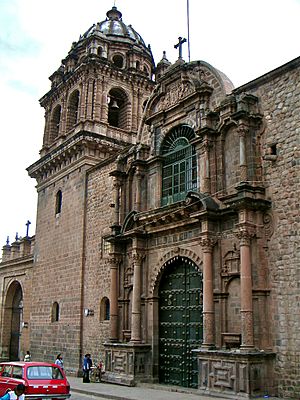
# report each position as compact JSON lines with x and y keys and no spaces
{"x":42,"y":380}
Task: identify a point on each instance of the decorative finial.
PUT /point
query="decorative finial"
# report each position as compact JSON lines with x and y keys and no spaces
{"x":179,"y":45}
{"x":27,"y":227}
{"x":7,"y":240}
{"x":17,"y":237}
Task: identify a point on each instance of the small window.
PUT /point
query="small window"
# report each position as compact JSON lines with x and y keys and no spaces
{"x":55,"y":312}
{"x":272,"y":150}
{"x":105,"y":247}
{"x":17,"y":372}
{"x":105,"y":309}
{"x":137,"y":65}
{"x":58,"y":202}
{"x":118,"y":61}
{"x":7,"y":370}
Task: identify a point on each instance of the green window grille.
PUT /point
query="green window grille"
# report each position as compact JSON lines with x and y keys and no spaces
{"x":179,"y":171}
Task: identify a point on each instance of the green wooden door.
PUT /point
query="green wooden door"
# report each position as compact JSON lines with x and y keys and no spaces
{"x":180,"y":323}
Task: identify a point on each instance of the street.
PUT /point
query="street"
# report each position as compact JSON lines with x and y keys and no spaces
{"x":79,"y":396}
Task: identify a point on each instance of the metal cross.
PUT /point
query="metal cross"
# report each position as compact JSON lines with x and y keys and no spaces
{"x":179,"y":44}
{"x":27,"y":229}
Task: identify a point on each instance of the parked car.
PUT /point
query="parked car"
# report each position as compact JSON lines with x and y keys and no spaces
{"x":42,"y":380}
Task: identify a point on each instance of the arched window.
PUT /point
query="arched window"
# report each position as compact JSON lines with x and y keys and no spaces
{"x":118,"y":60}
{"x":55,"y":122}
{"x":137,"y":65}
{"x":58,"y":202}
{"x":100,"y":51}
{"x":179,"y":171}
{"x":146,"y":70}
{"x":117,"y":108}
{"x":73,"y":105}
{"x":55,"y":312}
{"x":104,"y":309}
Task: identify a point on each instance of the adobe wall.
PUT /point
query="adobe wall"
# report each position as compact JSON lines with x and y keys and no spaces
{"x":280,"y":103}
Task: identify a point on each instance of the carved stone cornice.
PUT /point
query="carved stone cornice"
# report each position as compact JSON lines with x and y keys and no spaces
{"x":81,"y":145}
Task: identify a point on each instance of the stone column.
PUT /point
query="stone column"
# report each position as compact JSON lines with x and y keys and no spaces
{"x":117,"y":186}
{"x":134,"y":110}
{"x":206,"y":183}
{"x":208,"y":294}
{"x":243,"y":130}
{"x":138,"y":175}
{"x":246,"y":290}
{"x":104,"y":102}
{"x":90,"y":99}
{"x":136,"y":298}
{"x":82,"y":102}
{"x":98,"y":100}
{"x":114,"y":265}
{"x":63,"y":119}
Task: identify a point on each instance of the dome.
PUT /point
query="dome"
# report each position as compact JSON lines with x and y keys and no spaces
{"x":113,"y":26}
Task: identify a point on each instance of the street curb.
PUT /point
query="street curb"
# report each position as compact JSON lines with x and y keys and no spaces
{"x":95,"y":394}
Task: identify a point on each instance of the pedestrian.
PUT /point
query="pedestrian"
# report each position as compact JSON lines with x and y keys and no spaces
{"x":59,"y":361}
{"x":16,"y":394}
{"x":100,"y":370}
{"x":27,"y":356}
{"x":87,"y":366}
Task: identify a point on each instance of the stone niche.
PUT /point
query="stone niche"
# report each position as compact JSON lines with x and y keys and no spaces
{"x":235,"y":374}
{"x":127,"y":363}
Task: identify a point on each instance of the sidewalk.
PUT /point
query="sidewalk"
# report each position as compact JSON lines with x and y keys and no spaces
{"x":145,"y":392}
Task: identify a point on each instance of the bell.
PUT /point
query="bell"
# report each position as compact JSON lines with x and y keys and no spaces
{"x":114,"y":105}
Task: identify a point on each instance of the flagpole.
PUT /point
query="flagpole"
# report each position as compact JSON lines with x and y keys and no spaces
{"x":188,"y":27}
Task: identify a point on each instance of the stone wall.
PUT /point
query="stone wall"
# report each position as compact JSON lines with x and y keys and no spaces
{"x":99,"y":218}
{"x":58,"y":271}
{"x":279,"y":95}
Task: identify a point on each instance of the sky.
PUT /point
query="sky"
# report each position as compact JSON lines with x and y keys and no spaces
{"x":244,"y":39}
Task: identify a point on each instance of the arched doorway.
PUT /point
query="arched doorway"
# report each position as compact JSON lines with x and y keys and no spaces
{"x":180,"y":323}
{"x":13,"y":314}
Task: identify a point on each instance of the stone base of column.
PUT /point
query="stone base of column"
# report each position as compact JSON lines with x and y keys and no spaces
{"x":127,"y":363}
{"x":236,"y":375}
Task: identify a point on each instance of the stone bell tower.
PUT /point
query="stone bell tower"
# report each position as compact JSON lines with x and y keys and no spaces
{"x":92,"y":111}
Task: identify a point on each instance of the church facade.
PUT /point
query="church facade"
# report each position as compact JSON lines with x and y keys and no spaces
{"x":167,"y":235}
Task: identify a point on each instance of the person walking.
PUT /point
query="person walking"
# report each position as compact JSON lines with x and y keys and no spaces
{"x":59,"y":361}
{"x":27,"y":356}
{"x":16,"y":394}
{"x":87,"y":366}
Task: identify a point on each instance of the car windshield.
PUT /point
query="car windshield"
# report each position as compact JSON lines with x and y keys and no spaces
{"x":44,"y":372}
